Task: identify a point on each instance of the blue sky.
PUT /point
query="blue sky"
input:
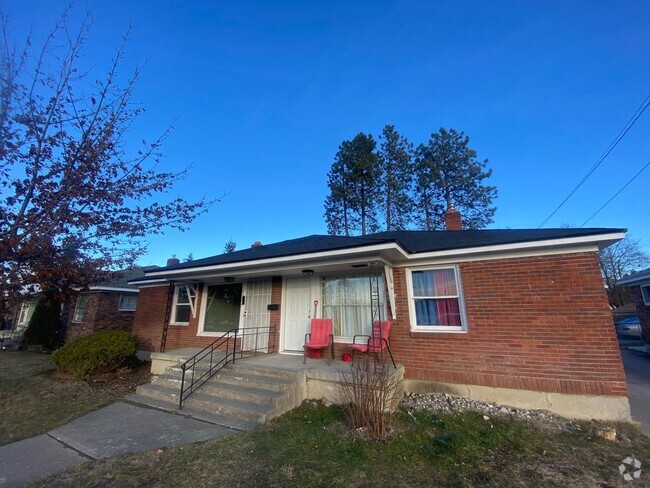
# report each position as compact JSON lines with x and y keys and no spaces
{"x":262,"y":93}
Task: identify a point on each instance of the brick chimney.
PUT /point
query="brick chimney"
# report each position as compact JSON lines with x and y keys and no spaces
{"x":256,"y":244}
{"x":453,"y":220}
{"x":173,"y":260}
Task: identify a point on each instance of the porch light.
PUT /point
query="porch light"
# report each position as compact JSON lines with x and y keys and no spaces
{"x":229,"y":279}
{"x":307,"y":272}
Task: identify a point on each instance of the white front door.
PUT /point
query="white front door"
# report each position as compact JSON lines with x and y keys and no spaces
{"x":256,"y":316}
{"x":298,"y":310}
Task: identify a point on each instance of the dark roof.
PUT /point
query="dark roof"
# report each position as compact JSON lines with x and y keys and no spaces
{"x":124,"y":276}
{"x":411,"y":241}
{"x":415,"y":241}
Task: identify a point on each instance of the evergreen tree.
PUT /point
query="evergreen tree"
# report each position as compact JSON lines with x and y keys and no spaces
{"x":230,"y":246}
{"x":338,"y":204}
{"x":354,"y":188}
{"x":448,"y":172}
{"x":395,"y":161}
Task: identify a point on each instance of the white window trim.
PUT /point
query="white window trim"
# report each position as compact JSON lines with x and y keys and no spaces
{"x":172,"y":317}
{"x":120,"y":308}
{"x":646,"y":302}
{"x":204,"y":300}
{"x":462,"y":329}
{"x":26,"y":311}
{"x":76,"y":307}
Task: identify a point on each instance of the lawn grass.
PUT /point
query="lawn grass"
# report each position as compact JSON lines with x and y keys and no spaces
{"x":311,"y":447}
{"x":34,"y":400}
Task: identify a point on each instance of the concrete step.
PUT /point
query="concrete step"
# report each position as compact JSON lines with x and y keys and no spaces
{"x":152,"y":402}
{"x":159,"y":392}
{"x":233,"y":391}
{"x":224,"y":421}
{"x":228,"y":408}
{"x":244,"y":378}
{"x":229,"y":422}
{"x":244,"y":366}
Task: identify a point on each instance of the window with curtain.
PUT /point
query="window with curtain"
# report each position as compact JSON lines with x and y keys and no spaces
{"x":346,"y":300}
{"x":436,"y":300}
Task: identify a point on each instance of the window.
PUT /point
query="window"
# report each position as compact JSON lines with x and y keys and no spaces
{"x":436,"y":300}
{"x":127,"y":303}
{"x":223,"y":305}
{"x":645,"y":291}
{"x":26,"y":311}
{"x":346,"y":300}
{"x":80,"y":308}
{"x":181,"y":308}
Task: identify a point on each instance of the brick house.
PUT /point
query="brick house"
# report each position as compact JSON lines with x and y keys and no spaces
{"x":639,"y":284}
{"x":107,"y":306}
{"x":519,"y":317}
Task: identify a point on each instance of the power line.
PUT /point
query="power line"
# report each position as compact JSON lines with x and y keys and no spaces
{"x":616,"y":194}
{"x":639,"y":111}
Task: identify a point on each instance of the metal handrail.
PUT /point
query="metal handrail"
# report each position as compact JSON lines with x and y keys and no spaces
{"x":227,"y":343}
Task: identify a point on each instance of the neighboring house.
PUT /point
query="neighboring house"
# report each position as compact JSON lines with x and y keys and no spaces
{"x":516,"y":316}
{"x":107,"y":306}
{"x":639,"y":284}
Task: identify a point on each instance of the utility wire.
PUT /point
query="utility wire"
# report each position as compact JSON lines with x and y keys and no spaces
{"x":616,"y":194}
{"x":639,"y":111}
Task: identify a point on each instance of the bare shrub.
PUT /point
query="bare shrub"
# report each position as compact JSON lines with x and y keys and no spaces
{"x":369,"y":396}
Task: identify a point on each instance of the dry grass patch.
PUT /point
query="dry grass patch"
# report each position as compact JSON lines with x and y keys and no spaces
{"x":35,"y":398}
{"x":312,"y":447}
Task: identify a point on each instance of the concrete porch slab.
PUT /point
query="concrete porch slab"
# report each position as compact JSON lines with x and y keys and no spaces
{"x":160,"y":361}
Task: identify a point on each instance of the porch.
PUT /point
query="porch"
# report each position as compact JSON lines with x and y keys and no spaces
{"x":248,"y":391}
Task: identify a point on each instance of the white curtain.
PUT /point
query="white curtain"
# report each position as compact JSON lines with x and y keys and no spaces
{"x":346,"y":300}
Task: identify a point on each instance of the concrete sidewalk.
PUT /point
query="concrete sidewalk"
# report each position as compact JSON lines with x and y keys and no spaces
{"x":117,"y":429}
{"x":637,"y":371}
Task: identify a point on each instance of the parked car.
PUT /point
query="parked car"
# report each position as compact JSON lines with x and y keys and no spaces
{"x":628,"y":329}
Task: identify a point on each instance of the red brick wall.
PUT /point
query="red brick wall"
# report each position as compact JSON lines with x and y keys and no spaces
{"x":101,"y":314}
{"x":150,"y":316}
{"x":536,"y":323}
{"x":642,"y":311}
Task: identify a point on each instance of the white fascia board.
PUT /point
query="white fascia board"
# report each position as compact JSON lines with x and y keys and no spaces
{"x":140,"y":283}
{"x":636,"y":279}
{"x":113,"y":288}
{"x":286,"y":259}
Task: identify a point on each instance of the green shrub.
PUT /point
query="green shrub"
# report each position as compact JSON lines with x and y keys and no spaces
{"x":101,"y":352}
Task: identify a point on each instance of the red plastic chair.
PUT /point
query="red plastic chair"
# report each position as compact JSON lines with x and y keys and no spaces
{"x":377,"y":340}
{"x":319,"y":338}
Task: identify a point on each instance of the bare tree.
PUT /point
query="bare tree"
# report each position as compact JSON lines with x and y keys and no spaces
{"x":75,"y":200}
{"x":617,"y":261}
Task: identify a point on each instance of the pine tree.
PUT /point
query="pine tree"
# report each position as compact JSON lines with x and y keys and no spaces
{"x":395,"y":160}
{"x":230,"y":246}
{"x":449,"y":173}
{"x":353,"y":181}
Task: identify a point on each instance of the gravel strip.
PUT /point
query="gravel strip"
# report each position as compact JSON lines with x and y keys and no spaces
{"x":442,"y":402}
